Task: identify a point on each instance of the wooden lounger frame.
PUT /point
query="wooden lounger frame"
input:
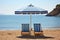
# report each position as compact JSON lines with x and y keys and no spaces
{"x":38,"y":33}
{"x":25,"y":33}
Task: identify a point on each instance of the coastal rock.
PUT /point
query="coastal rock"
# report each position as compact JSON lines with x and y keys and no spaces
{"x":55,"y":11}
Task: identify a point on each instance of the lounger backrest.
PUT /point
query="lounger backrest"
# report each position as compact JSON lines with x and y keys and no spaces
{"x":37,"y":27}
{"x":25,"y":27}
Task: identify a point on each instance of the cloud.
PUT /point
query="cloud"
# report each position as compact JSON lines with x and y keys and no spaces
{"x":6,"y":12}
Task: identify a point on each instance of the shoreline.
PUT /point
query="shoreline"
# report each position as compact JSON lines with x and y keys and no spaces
{"x":33,"y":29}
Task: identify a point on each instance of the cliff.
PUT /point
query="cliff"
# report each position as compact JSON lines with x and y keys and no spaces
{"x":55,"y":11}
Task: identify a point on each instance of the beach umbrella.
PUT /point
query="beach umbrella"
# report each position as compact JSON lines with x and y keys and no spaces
{"x":31,"y":10}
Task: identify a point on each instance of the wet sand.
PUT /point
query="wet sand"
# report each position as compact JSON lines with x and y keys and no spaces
{"x":14,"y":35}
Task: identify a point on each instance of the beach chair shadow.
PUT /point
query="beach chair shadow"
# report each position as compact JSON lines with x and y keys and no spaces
{"x":35,"y":37}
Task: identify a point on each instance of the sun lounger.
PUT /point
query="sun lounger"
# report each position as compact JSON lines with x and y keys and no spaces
{"x":38,"y":30}
{"x":25,"y":29}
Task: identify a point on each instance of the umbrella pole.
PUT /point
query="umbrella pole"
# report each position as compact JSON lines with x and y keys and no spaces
{"x":31,"y":31}
{"x":30,"y":21}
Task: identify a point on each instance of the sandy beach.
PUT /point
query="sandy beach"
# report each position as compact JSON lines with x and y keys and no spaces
{"x":14,"y":34}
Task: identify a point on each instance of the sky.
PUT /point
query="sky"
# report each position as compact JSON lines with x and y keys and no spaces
{"x":7,"y":7}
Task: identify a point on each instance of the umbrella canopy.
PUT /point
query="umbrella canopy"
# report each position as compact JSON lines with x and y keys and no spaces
{"x":31,"y":9}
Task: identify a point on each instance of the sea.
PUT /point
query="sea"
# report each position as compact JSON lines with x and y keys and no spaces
{"x":13,"y":22}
